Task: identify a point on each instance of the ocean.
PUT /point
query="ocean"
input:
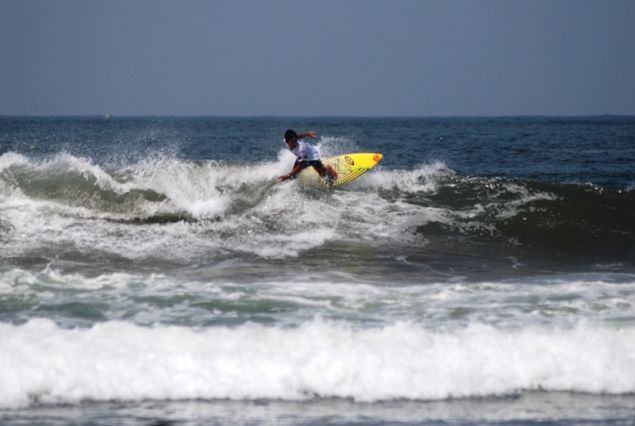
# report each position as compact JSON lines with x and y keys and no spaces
{"x":152,"y":271}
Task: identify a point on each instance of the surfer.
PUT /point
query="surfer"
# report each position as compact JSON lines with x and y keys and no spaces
{"x":307,"y":155}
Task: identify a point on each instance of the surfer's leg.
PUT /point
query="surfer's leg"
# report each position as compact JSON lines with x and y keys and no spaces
{"x":323,"y":170}
{"x":332,"y":172}
{"x":319,"y":168}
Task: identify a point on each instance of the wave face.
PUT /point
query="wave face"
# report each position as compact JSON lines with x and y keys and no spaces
{"x":179,"y":209}
{"x":151,"y":259}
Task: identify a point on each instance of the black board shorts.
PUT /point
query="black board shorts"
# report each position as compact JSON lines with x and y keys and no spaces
{"x":316,"y":164}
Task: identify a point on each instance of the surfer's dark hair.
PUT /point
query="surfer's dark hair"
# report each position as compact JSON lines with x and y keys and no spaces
{"x":290,"y":134}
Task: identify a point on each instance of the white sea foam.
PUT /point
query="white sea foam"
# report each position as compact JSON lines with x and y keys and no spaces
{"x":119,"y":361}
{"x":71,"y":203}
{"x":155,"y":298}
{"x":423,"y":178}
{"x":238,"y":208}
{"x":506,"y":209}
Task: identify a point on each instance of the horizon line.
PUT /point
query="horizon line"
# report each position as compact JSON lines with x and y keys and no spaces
{"x":110,"y":116}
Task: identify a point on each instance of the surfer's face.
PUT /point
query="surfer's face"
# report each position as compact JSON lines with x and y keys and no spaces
{"x":291,"y":143}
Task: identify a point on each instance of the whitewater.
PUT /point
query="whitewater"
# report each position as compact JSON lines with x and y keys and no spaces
{"x":401,"y":361}
{"x":152,"y":269}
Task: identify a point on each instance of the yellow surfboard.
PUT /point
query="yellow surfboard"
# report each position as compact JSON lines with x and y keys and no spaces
{"x":348,"y":167}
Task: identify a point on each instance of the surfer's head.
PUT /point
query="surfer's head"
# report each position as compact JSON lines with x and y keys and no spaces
{"x":291,"y":138}
{"x":290,"y":135}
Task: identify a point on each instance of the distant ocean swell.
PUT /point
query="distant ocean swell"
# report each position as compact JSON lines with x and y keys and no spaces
{"x":43,"y":363}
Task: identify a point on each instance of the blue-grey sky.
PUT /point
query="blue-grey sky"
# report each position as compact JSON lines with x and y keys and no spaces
{"x":327,"y":57}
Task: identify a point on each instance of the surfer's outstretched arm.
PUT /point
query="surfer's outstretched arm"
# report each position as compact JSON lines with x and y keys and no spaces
{"x":310,"y":134}
{"x":297,"y":168}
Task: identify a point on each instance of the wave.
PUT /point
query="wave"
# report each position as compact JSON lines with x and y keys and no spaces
{"x":143,"y":190}
{"x":43,"y":363}
{"x":231,"y":206}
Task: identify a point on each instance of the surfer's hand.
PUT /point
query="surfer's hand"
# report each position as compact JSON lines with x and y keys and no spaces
{"x":283,"y":178}
{"x":311,"y":134}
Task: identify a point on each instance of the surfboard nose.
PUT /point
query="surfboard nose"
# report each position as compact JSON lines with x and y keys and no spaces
{"x":377,"y":157}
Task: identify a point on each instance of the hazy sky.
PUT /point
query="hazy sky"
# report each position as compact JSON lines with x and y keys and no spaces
{"x":148,"y":57}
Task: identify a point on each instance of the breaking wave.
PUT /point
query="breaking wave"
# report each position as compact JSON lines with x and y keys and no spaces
{"x":43,"y":363}
{"x":68,"y":201}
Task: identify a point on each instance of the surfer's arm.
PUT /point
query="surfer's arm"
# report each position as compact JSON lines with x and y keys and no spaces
{"x":297,"y":168}
{"x":310,"y":134}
